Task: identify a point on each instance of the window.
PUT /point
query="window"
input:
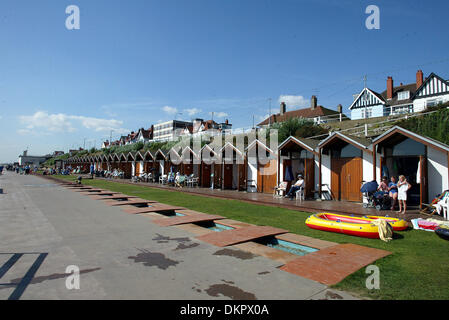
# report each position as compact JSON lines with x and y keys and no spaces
{"x":369,"y":112}
{"x":403,"y":95}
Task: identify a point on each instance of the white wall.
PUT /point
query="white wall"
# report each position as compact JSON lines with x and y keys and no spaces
{"x":325,"y":169}
{"x":420,"y":104}
{"x":367,"y":166}
{"x":252,"y":169}
{"x":437,"y":172}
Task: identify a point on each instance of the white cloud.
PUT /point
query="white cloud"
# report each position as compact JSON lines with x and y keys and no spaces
{"x":192,"y":111}
{"x":170,"y":110}
{"x":294,"y":101}
{"x":219,"y":114}
{"x":59,"y":123}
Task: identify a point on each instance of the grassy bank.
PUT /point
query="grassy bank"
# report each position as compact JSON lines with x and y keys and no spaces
{"x":417,"y":269}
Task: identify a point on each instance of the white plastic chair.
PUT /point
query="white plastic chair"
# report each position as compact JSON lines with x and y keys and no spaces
{"x":300,"y":194}
{"x":281,"y":189}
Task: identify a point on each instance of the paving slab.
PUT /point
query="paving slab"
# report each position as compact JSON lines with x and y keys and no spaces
{"x":153,"y":207}
{"x":187,"y":219}
{"x":244,"y":234}
{"x":331,"y":265}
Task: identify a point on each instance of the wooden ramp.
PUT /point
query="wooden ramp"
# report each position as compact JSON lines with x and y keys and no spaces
{"x":113,"y":197}
{"x":115,"y":203}
{"x":230,"y":237}
{"x":154,"y":207}
{"x":79,"y":188}
{"x":186,"y":219}
{"x":88,"y":190}
{"x":331,"y":265}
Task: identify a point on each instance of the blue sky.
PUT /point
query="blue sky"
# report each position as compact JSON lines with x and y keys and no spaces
{"x":134,"y":63}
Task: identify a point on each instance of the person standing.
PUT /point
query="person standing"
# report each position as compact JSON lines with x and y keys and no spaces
{"x":403,"y":187}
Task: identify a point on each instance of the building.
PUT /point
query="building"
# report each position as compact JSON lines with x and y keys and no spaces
{"x":169,"y":130}
{"x":318,"y":114}
{"x":26,"y":159}
{"x":409,"y":98}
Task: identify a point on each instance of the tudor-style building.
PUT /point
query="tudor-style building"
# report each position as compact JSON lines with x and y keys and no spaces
{"x":433,"y":91}
{"x":409,"y":98}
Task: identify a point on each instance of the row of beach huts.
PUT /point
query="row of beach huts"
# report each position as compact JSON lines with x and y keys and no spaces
{"x":335,"y":166}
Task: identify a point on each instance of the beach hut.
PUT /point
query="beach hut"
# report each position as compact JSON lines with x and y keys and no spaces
{"x":422,"y":160}
{"x":232,"y":169}
{"x":262,"y":167}
{"x":345,"y":162}
{"x":208,"y":160}
{"x":299,"y":156}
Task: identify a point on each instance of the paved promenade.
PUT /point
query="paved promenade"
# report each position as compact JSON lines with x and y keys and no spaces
{"x":44,"y":228}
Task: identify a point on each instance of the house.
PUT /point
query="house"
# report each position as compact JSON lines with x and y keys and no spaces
{"x":144,"y":136}
{"x":433,"y":90}
{"x":409,"y":98}
{"x":316,"y":113}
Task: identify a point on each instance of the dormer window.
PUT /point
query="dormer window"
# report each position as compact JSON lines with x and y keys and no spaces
{"x":403,"y":95}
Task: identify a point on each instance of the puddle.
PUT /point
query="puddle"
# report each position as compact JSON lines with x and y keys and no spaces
{"x":235,"y":253}
{"x":155,"y":259}
{"x":233,"y":292}
{"x":182,"y":246}
{"x":286,"y":246}
{"x":163,"y":239}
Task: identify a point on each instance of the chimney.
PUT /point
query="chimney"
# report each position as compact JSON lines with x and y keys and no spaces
{"x":313,"y":102}
{"x":419,"y":79}
{"x":283,"y":108}
{"x":390,"y":88}
{"x":339,"y":108}
{"x":227,"y":121}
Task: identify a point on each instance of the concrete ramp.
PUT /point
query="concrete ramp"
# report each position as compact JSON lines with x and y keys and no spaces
{"x":230,"y":237}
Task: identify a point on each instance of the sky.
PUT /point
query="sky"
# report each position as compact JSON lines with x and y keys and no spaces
{"x":135,"y":63}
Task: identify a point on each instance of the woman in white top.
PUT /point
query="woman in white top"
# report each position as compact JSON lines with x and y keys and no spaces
{"x":403,"y":187}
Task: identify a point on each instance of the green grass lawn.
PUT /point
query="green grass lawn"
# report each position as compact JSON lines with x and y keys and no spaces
{"x":417,"y":269}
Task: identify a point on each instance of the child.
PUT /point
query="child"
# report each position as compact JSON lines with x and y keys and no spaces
{"x":403,"y":187}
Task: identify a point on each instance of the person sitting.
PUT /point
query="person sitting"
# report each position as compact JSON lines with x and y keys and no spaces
{"x":383,"y":187}
{"x":298,"y":185}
